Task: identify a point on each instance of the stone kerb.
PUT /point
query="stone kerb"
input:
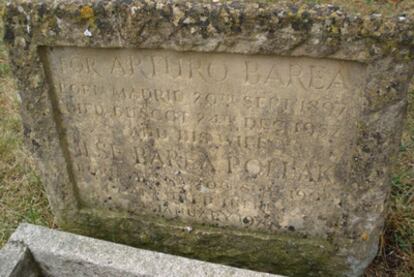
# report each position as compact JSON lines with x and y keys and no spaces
{"x":38,"y":251}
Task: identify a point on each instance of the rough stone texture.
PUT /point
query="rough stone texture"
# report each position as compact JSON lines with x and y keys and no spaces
{"x":61,"y":254}
{"x":252,"y":134}
{"x":209,"y":138}
{"x":17,"y":261}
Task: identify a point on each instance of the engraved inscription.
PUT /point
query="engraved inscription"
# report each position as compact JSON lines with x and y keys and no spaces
{"x":247,"y":141}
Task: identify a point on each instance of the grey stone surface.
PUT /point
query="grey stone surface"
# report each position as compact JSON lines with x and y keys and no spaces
{"x":61,"y":254}
{"x":219,"y":139}
{"x":17,"y":261}
{"x":250,"y":133}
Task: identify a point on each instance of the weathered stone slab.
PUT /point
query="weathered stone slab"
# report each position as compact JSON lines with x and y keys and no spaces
{"x":223,"y":139}
{"x":256,"y":135}
{"x":63,"y":254}
{"x":16,"y":261}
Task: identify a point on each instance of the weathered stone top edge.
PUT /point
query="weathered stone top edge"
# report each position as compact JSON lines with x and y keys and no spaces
{"x":291,"y":6}
{"x":322,"y":29}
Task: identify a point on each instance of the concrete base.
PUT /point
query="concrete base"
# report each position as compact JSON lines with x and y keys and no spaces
{"x":38,"y":251}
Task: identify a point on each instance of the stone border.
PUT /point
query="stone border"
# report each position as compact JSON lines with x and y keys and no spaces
{"x":57,"y":253}
{"x":16,"y":260}
{"x":384,"y":44}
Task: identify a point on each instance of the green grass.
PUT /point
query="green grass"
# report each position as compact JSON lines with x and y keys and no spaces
{"x":22,"y":198}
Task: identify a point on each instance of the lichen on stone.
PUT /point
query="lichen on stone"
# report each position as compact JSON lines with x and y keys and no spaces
{"x":383,"y":43}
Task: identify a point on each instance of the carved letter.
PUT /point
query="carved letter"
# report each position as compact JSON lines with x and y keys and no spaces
{"x":252,"y":77}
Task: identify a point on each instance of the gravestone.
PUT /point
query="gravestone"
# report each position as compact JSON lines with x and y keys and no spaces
{"x":258,"y":135}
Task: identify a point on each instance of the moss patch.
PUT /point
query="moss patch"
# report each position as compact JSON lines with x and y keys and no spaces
{"x":289,"y":254}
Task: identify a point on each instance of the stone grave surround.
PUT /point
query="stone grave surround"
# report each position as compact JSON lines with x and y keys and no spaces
{"x":253,"y":134}
{"x":34,"y":251}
